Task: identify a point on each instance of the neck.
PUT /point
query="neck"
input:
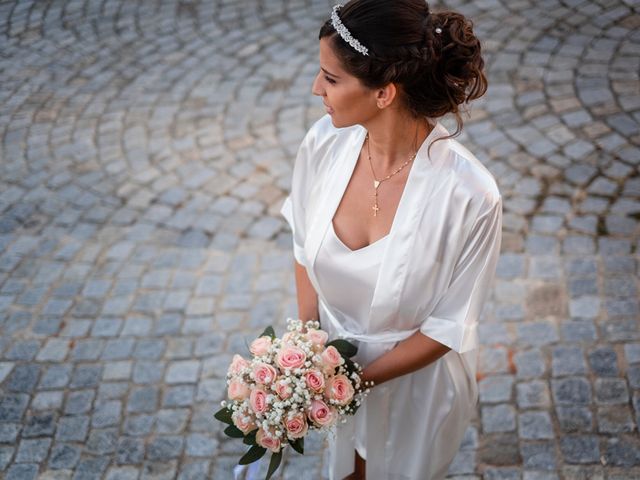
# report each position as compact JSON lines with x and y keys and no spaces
{"x":394,"y":138}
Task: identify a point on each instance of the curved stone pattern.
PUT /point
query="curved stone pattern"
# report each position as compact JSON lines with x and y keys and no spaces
{"x":146,"y":147}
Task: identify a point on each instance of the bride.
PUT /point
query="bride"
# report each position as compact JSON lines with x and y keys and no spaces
{"x":396,"y":230}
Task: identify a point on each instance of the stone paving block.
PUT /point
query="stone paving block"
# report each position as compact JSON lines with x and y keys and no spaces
{"x":39,"y":425}
{"x":632,"y":352}
{"x":529,"y":363}
{"x":165,"y":447}
{"x":149,"y":348}
{"x":86,"y":376}
{"x":147,"y":372}
{"x":6,"y":453}
{"x":615,"y":420}
{"x":64,"y":456}
{"x":571,"y":390}
{"x":537,"y":333}
{"x":580,"y":448}
{"x":172,"y":420}
{"x":23,"y":350}
{"x":138,"y":425}
{"x":535,"y":425}
{"x":611,"y":391}
{"x":578,"y":331}
{"x":143,"y":399}
{"x":574,"y":419}
{"x":182,"y":372}
{"x":194,"y":470}
{"x":568,"y":361}
{"x":494,"y":389}
{"x":106,"y":414}
{"x":130,"y":450}
{"x":33,"y":451}
{"x":120,"y":370}
{"x":159,"y":470}
{"x":533,"y":394}
{"x":23,"y":378}
{"x":48,"y":400}
{"x":122,"y":473}
{"x":117,"y":349}
{"x":90,"y":467}
{"x":180,"y":396}
{"x":102,"y":442}
{"x":498,"y":418}
{"x":70,"y":429}
{"x":604,"y":361}
{"x":586,"y":307}
{"x":9,"y":431}
{"x":538,"y":456}
{"x":622,"y":451}
{"x":22,"y":471}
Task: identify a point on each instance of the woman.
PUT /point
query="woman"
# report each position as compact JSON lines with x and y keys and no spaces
{"x":396,"y":230}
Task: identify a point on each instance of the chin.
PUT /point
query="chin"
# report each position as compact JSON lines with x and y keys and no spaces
{"x":340,"y":123}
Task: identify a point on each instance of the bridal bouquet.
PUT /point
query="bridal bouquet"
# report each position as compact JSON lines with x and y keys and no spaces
{"x":290,"y":385}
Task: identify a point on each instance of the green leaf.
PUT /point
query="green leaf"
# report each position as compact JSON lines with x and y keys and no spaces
{"x":274,"y":464}
{"x":345,"y":348}
{"x":298,"y":445}
{"x":250,"y":438}
{"x":269,"y":332}
{"x":254,"y":454}
{"x":234,"y":432}
{"x":224,"y":415}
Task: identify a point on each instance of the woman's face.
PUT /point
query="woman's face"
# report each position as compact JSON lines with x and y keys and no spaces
{"x":346,"y":99}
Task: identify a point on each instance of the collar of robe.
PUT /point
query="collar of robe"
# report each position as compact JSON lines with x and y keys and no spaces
{"x":421,"y":185}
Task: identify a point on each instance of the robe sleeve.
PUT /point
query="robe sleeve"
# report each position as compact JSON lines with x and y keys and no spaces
{"x":294,"y":207}
{"x":454,"y":320}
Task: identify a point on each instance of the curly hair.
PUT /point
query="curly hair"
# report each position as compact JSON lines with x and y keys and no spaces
{"x":434,"y":58}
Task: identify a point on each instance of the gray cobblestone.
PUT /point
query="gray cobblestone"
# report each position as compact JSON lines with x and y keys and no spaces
{"x":141,"y":243}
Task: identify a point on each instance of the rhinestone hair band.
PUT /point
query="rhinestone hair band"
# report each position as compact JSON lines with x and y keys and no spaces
{"x":345,"y":34}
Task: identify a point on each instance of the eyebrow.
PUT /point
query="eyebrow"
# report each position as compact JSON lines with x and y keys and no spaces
{"x":329,"y":73}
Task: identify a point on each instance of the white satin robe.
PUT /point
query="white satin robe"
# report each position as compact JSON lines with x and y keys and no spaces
{"x":435,"y":274}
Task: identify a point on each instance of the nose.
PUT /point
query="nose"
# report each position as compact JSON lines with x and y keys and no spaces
{"x":316,"y":88}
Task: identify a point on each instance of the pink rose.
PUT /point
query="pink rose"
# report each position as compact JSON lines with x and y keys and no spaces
{"x":266,"y":440}
{"x":296,"y":426}
{"x":290,"y":357}
{"x":283,"y":389}
{"x":264,"y":373}
{"x":317,"y":337}
{"x":331,"y":358}
{"x":244,"y":422}
{"x":260,"y":346}
{"x":315,"y":380}
{"x":339,"y":388}
{"x":258,"y":400}
{"x":321,"y":414}
{"x":237,"y":365}
{"x":237,"y":390}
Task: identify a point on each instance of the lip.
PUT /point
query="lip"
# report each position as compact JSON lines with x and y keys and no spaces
{"x":328,"y":108}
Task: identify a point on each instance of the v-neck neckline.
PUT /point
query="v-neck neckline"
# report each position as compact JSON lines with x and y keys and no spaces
{"x":352,"y":168}
{"x":357,"y":250}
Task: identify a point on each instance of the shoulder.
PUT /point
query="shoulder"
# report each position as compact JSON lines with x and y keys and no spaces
{"x":322,"y":137}
{"x":472,"y":180}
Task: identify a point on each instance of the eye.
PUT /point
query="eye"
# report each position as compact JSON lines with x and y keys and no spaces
{"x":330,"y":80}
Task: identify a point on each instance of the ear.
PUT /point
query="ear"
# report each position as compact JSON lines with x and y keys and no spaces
{"x":386,"y":95}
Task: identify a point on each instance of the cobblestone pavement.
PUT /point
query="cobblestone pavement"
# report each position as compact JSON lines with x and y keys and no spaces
{"x":146,"y":149}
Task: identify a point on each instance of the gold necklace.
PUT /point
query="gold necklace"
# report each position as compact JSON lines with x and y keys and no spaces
{"x":376,"y":182}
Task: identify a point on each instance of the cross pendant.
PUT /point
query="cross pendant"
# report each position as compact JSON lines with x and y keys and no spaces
{"x":375,"y":210}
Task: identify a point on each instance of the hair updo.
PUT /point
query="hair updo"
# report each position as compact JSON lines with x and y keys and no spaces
{"x":434,"y":58}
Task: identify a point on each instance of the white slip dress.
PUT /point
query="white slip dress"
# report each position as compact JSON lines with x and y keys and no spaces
{"x":348,"y":279}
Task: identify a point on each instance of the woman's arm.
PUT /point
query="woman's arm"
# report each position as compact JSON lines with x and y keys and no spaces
{"x":306,"y":294}
{"x":410,"y":355}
